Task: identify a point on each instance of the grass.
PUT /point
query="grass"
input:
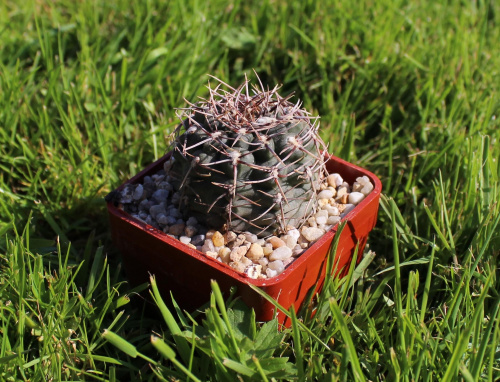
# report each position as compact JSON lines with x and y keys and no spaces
{"x":408,"y":90}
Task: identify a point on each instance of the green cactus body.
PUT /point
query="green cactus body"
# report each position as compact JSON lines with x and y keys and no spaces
{"x":247,"y":162}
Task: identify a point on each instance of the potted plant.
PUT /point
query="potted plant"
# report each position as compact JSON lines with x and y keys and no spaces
{"x":247,"y":196}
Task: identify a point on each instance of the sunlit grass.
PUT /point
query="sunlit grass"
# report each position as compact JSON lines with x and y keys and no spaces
{"x":409,"y":91}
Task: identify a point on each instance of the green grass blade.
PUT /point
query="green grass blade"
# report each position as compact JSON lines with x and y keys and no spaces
{"x":346,"y":336}
{"x":182,"y":343}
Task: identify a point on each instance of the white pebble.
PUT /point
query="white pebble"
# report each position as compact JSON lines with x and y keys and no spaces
{"x":356,"y":197}
{"x":294,"y":233}
{"x":276,"y":265}
{"x":321,"y":220}
{"x":325,"y":194}
{"x":335,"y":180}
{"x":271,"y":272}
{"x":208,"y":245}
{"x":185,"y":239}
{"x":250,"y":237}
{"x":333,"y":211}
{"x":264,"y":261}
{"x":332,"y":220}
{"x":281,"y":253}
{"x":348,"y":208}
{"x":321,"y":216}
{"x":312,"y":233}
{"x":297,"y":250}
{"x":363,"y":180}
{"x":367,"y":188}
{"x":254,"y":271}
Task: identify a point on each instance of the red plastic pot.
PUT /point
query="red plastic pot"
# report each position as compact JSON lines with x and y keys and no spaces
{"x":187,"y":272}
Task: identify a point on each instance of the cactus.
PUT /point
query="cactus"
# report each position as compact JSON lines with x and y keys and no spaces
{"x":247,"y":160}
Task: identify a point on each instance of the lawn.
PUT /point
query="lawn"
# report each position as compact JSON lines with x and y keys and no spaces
{"x":407,"y":90}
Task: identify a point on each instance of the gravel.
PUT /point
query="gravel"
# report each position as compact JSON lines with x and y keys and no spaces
{"x":154,"y":202}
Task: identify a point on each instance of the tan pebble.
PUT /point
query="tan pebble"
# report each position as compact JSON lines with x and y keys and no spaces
{"x":218,"y":239}
{"x":276,"y":242}
{"x":237,"y":266}
{"x":176,"y":229}
{"x":211,"y":254}
{"x":344,"y":198}
{"x":190,"y":231}
{"x":240,"y":239}
{"x":191,"y":246}
{"x":289,"y":240}
{"x":210,"y":233}
{"x":357,"y":187}
{"x":246,"y":261}
{"x":229,"y":237}
{"x":237,"y":253}
{"x":267,"y":250}
{"x":341,"y":191}
{"x":323,"y":202}
{"x":312,"y":222}
{"x":255,"y":252}
{"x":331,"y":180}
{"x":224,"y":254}
{"x":322,"y":186}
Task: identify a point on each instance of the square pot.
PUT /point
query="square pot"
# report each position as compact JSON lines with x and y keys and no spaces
{"x":187,"y":272}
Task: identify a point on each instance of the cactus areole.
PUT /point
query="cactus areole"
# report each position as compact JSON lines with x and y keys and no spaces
{"x":247,"y":160}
